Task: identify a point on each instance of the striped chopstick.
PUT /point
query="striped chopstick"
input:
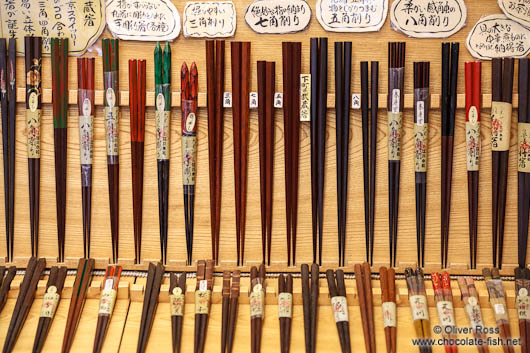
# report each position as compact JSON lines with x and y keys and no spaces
{"x":111,"y":112}
{"x":86,"y":106}
{"x":177,"y":291}
{"x":54,"y":288}
{"x":444,"y":304}
{"x":59,"y":55}
{"x":163,"y":131}
{"x":418,"y":306}
{"x":137,"y":110}
{"x":523,"y":165}
{"x":107,"y":299}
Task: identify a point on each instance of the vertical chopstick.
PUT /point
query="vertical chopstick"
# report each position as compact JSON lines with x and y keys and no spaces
{"x":388,"y":298}
{"x":450,"y":53}
{"x":59,"y":54}
{"x":471,"y":301}
{"x":215,"y":67}
{"x":109,"y":292}
{"x":189,"y":96}
{"x":163,"y":132}
{"x":339,"y":305}
{"x":177,"y":291}
{"x":444,"y":304}
{"x":498,"y":305}
{"x":364,"y":291}
{"x":473,"y":146}
{"x":26,"y":294}
{"x":343,"y":54}
{"x":310,"y":292}
{"x":501,"y":116}
{"x":86,"y":110}
{"x":155,"y":275}
{"x":266,"y":86}
{"x":8,"y":104}
{"x":203,"y":292}
{"x":50,"y":302}
{"x":523,"y":165}
{"x":111,"y":112}
{"x":6,"y":285}
{"x":522,"y":286}
{"x":291,"y":61}
{"x":232,"y":318}
{"x":418,"y":305}
{"x":257,"y":306}
{"x":421,"y":138}
{"x":396,"y":76}
{"x":33,"y":53}
{"x":285,"y":310}
{"x":137,"y":76}
{"x":79,"y":291}
{"x":319,"y":92}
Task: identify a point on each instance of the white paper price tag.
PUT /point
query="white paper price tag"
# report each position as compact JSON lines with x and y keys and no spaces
{"x":356,"y":101}
{"x":227,"y":100}
{"x":253,"y":100}
{"x":278,"y":100}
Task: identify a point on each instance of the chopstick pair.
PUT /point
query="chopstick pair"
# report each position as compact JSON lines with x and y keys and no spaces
{"x":26,"y":294}
{"x":523,"y":165}
{"x":388,"y":291}
{"x":473,"y":73}
{"x":177,"y":292}
{"x":472,"y":307}
{"x":292,"y":63}
{"x":418,"y":306}
{"x":444,"y":303}
{"x":422,"y":104}
{"x":501,"y":116}
{"x":229,"y":310}
{"x":310,"y":292}
{"x":111,"y":112}
{"x":77,"y":302}
{"x":137,"y":76}
{"x":109,"y":292}
{"x":285,"y":310}
{"x":8,"y":98}
{"x":6,"y":284}
{"x":319,"y":99}
{"x":257,"y":306}
{"x":33,"y":54}
{"x":266,"y":86}
{"x":369,"y":131}
{"x":203,"y":297}
{"x":163,"y":132}
{"x":86,"y":108}
{"x":59,"y":56}
{"x":155,"y":274}
{"x":450,"y":53}
{"x":497,"y":300}
{"x":54,"y":288}
{"x":343,"y":57}
{"x":189,"y":96}
{"x":522,"y":288}
{"x":366,"y":304}
{"x":240,"y":54}
{"x":396,"y":76}
{"x":215,"y":78}
{"x":339,"y":305}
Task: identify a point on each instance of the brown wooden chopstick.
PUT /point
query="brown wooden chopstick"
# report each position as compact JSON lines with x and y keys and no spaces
{"x":498,"y":304}
{"x":310,"y":292}
{"x":522,"y":288}
{"x":177,"y":291}
{"x":109,"y":292}
{"x":339,"y":305}
{"x":6,"y":285}
{"x":285,"y":310}
{"x":471,"y":301}
{"x":257,"y":306}
{"x":364,"y":291}
{"x":203,"y":292}
{"x":388,"y":298}
{"x":229,"y":310}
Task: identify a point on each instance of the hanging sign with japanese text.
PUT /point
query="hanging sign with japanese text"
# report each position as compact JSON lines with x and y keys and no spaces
{"x":517,"y":10}
{"x":352,"y":15}
{"x":209,"y":19}
{"x":278,"y":16}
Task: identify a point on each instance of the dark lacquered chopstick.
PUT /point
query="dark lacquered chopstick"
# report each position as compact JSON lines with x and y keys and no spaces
{"x":421,"y":138}
{"x":163,"y":132}
{"x":257,"y":306}
{"x":310,"y":292}
{"x":232,"y":318}
{"x":501,"y":113}
{"x":6,"y":285}
{"x":473,"y":146}
{"x":285,"y":310}
{"x":177,"y":292}
{"x":137,"y":74}
{"x":109,"y":292}
{"x":337,"y":293}
{"x":203,"y":289}
{"x":54,"y":287}
{"x":59,"y":55}
{"x":155,"y":275}
{"x":523,"y":164}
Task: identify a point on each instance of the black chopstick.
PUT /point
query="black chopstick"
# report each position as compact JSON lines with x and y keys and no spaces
{"x":523,"y":164}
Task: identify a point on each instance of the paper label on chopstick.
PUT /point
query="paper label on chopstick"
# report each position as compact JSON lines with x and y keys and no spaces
{"x":356,"y":101}
{"x":473,"y":144}
{"x":446,"y":313}
{"x":176,"y":302}
{"x":499,"y":309}
{"x":202,"y":301}
{"x":285,"y":305}
{"x":227,"y":100}
{"x":421,"y":134}
{"x":501,"y":119}
{"x":394,"y":136}
{"x":253,"y":100}
{"x":396,"y":100}
{"x":522,"y":304}
{"x":33,"y":130}
{"x":339,"y":305}
{"x":189,"y":148}
{"x":523,"y":164}
{"x":49,"y":302}
{"x":162,"y":128}
{"x":257,"y":302}
{"x":305,"y":97}
{"x":107,"y":301}
{"x":418,"y":307}
{"x":278,"y":100}
{"x":86,"y":133}
{"x":111,"y":122}
{"x":473,"y":313}
{"x":389,"y":314}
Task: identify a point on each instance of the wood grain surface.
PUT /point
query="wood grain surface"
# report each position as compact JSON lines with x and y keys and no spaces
{"x":366,"y":46}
